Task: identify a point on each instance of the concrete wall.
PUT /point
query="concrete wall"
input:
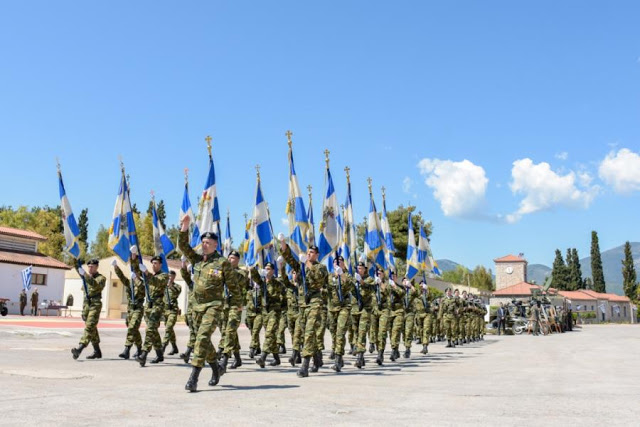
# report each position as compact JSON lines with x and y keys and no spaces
{"x":11,"y":285}
{"x":504,"y":279}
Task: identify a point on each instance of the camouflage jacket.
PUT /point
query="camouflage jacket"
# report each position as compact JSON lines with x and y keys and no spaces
{"x":238,"y":290}
{"x":95,"y":285}
{"x":210,"y":273}
{"x":366,"y":289}
{"x":316,"y":275}
{"x":291,"y":291}
{"x":137,"y":301}
{"x":396,"y":297}
{"x":171,"y":294}
{"x":448,"y":306}
{"x":270,"y":291}
{"x":346,"y":284}
{"x":155,"y":282}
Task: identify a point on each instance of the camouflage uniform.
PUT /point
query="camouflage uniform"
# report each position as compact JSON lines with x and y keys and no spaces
{"x":410,"y":296}
{"x":91,"y":308}
{"x":23,"y":301}
{"x":171,"y":294}
{"x":383,"y":308}
{"x":156,"y":284}
{"x":283,"y":323}
{"x":296,"y":314}
{"x":271,"y":294}
{"x":135,"y":308}
{"x":186,"y":276}
{"x":34,"y":302}
{"x":448,"y":308}
{"x":364,"y":292}
{"x":236,"y":298}
{"x":396,"y":318}
{"x":291,"y":295}
{"x":340,"y":310}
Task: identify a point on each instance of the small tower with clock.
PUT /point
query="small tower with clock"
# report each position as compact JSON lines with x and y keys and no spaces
{"x":510,"y":270}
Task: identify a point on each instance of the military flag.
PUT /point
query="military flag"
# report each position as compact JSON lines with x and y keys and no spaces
{"x":208,"y":213}
{"x":296,"y":214}
{"x":413,"y":267}
{"x":389,"y":249}
{"x":374,"y":240}
{"x":162,"y":245}
{"x":330,"y":230}
{"x":69,"y":225}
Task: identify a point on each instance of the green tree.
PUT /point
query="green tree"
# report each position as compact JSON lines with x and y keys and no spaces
{"x":144,"y":227}
{"x":596,"y":265}
{"x":83,"y":226}
{"x":575,"y":271}
{"x":559,"y":273}
{"x":100,"y":245}
{"x":162,"y":214}
{"x":45,"y":220}
{"x":629,"y":273}
{"x":588,"y":284}
{"x":457,"y":276}
{"x":481,"y":278}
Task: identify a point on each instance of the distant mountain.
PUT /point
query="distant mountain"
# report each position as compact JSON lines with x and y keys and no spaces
{"x":446,"y":265}
{"x":612,"y":266}
{"x":537,"y":273}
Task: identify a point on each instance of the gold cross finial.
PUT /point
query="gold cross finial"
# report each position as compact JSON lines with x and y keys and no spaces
{"x":309,"y":188}
{"x":383,"y":194}
{"x":369,"y":180}
{"x":186,"y":174}
{"x":153,"y":196}
{"x":58,"y":164}
{"x":121,"y":163}
{"x":289,"y":134}
{"x":246,"y":217}
{"x":347,"y":169}
{"x":326,"y":157}
{"x":208,"y":139}
{"x":258,"y":171}
{"x":227,"y":212}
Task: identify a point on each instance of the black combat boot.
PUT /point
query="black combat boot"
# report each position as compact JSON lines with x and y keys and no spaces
{"x":262,"y":359}
{"x":223,"y":363}
{"x":298,"y":358}
{"x":164,"y":347}
{"x":258,"y":351}
{"x":320,"y":361}
{"x":215,"y":374}
{"x":192,"y":383}
{"x":252,"y":352}
{"x":332,"y":355}
{"x":337,"y":366}
{"x":316,"y":362}
{"x":304,"y":369}
{"x":137,"y":353}
{"x":418,"y":341}
{"x":142,"y":358}
{"x":186,"y":354}
{"x":282,"y":349}
{"x":76,"y":351}
{"x":97,"y":354}
{"x":159,"y":357}
{"x":276,"y":360}
{"x":220,"y":350}
{"x":380,"y":357}
{"x":449,"y":344}
{"x":425,"y":349}
{"x":407,"y":353}
{"x":294,"y":356}
{"x":359,"y":360}
{"x":237,"y":361}
{"x":125,"y":353}
{"x":393,"y":355}
{"x":372,"y":347}
{"x":353,"y":350}
{"x":174,"y":349}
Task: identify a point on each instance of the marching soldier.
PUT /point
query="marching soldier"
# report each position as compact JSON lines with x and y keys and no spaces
{"x":23,"y":301}
{"x":293,"y":310}
{"x":294,"y":288}
{"x":156,"y":283}
{"x":185,"y":272}
{"x":409,"y":298}
{"x":364,"y":288}
{"x":314,"y":277}
{"x":384,"y":315}
{"x":258,"y":320}
{"x":428,"y":320}
{"x":171,"y":294}
{"x":271,"y":294}
{"x":211,"y":272}
{"x":135,"y":311}
{"x":95,"y":283}
{"x":396,"y":317}
{"x":447,"y":313}
{"x":340,"y":286}
{"x":235,"y":301}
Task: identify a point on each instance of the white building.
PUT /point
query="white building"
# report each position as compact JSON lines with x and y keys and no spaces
{"x":18,"y":250}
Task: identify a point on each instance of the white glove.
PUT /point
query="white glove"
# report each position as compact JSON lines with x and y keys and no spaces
{"x":183,"y":258}
{"x":189,"y":267}
{"x":303,"y":258}
{"x":281,"y":237}
{"x":338,"y":271}
{"x":363,"y":258}
{"x":133,"y":249}
{"x":143,"y":268}
{"x":114,"y":263}
{"x":263,"y":273}
{"x":358,"y":277}
{"x":279,"y":261}
{"x":256,"y":286}
{"x":378,"y":280}
{"x":81,"y":271}
{"x":423,"y":286}
{"x":133,"y":275}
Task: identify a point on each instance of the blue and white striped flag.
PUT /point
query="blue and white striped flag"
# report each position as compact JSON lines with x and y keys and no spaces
{"x":373,"y":239}
{"x":227,"y":238}
{"x":296,"y":213}
{"x":122,"y":233}
{"x":69,"y":225}
{"x":209,"y":212}
{"x":432,"y":262}
{"x":187,"y":210}
{"x":423,"y":249}
{"x":311,"y":228}
{"x":390,"y":250}
{"x":413,"y":267}
{"x":162,"y":245}
{"x":330,"y":230}
{"x":349,"y":242}
{"x":26,"y":278}
{"x":261,"y":235}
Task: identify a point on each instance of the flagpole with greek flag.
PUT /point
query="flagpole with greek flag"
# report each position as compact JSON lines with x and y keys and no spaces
{"x":389,"y":250}
{"x":311,"y":228}
{"x":26,"y":278}
{"x":330,"y":234}
{"x":185,"y":207}
{"x":162,"y":245}
{"x":413,"y":267}
{"x":261,"y":233}
{"x":208,"y":212}
{"x":423,"y":258}
{"x":227,"y":238}
{"x":349,"y":240}
{"x":296,"y":213}
{"x":373,"y":239}
{"x":70,"y":227}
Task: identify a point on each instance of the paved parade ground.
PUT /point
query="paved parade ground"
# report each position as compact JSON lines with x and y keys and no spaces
{"x":586,"y":377}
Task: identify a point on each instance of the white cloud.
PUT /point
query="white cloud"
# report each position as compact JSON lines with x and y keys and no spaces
{"x":460,"y":187}
{"x":621,"y":170}
{"x":544,"y":189}
{"x":562,"y":156}
{"x":284,"y":221}
{"x":406,"y":184}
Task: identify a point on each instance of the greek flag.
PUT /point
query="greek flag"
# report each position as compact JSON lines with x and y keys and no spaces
{"x":261,"y":235}
{"x":330,"y":230}
{"x":71,"y":230}
{"x":349,"y":241}
{"x":209,"y":212}
{"x":311,"y":228}
{"x":26,"y":278}
{"x":227,"y":238}
{"x":122,"y":233}
{"x":413,"y":267}
{"x":161,"y":243}
{"x":296,"y":214}
{"x":423,"y":248}
{"x":432,"y":261}
{"x":186,"y":210}
{"x":388,"y":239}
{"x":373,"y":239}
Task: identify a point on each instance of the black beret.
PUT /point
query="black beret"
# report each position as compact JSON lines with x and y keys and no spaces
{"x":269,"y":264}
{"x":157,"y":258}
{"x":362,"y":264}
{"x":314,"y":248}
{"x":209,"y":235}
{"x":173,"y":273}
{"x":93,"y":261}
{"x":234,"y":253}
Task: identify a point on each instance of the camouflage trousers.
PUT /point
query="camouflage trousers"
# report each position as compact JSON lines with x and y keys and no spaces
{"x":298,"y":336}
{"x":223,"y":325}
{"x":362,"y":319}
{"x":313,"y":319}
{"x":462,"y":327}
{"x":153,"y":317}
{"x":383,"y":329}
{"x":91,"y":314}
{"x":205,"y":322}
{"x":282,"y":327}
{"x":134,"y":318}
{"x":428,"y":324}
{"x":455,"y":327}
{"x":231,"y":342}
{"x":419,"y":324}
{"x":192,"y":332}
{"x":271,"y":320}
{"x":448,"y":325}
{"x":396,"y":319}
{"x":374,"y":322}
{"x":340,"y":321}
{"x":409,"y":324}
{"x":292,"y":322}
{"x":256,"y":327}
{"x":321,"y":327}
{"x":170,"y":318}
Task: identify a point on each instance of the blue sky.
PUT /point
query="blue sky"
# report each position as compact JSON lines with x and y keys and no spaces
{"x":512,"y":126}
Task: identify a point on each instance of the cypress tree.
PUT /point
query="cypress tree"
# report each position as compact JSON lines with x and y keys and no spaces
{"x":629,"y":273}
{"x":596,"y":265}
{"x":576,"y":270}
{"x":559,"y":279}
